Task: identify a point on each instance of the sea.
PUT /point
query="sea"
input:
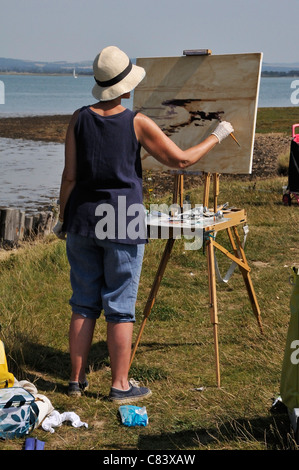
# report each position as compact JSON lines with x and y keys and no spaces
{"x":31,"y":170}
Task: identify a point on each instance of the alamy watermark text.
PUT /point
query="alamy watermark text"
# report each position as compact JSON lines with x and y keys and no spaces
{"x":2,"y":92}
{"x":133,"y":222}
{"x":295,"y":93}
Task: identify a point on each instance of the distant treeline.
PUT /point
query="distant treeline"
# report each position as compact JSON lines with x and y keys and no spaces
{"x":85,"y":68}
{"x":28,"y":66}
{"x":85,"y":71}
{"x":46,"y":70}
{"x":272,"y":73}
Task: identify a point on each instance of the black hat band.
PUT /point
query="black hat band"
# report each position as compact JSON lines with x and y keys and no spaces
{"x":116,"y":79}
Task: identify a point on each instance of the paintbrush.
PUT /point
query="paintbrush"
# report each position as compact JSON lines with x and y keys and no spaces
{"x":232,"y":135}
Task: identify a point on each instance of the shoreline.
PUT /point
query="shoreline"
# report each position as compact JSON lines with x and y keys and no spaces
{"x":268,"y":146}
{"x":265,"y":74}
{"x":52,"y":128}
{"x":54,"y":74}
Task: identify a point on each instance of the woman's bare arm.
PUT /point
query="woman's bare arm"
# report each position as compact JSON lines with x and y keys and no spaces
{"x":157,"y":144}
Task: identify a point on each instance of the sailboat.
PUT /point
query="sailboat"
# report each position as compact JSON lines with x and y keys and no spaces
{"x":74,"y":74}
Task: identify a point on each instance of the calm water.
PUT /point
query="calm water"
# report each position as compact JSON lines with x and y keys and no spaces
{"x":31,"y":171}
{"x":41,"y":94}
{"x":27,"y":95}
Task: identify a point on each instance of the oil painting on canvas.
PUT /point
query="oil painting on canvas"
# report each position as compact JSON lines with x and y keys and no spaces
{"x":187,"y":96}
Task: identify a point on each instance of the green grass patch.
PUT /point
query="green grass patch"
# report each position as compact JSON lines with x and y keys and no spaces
{"x":175,"y":356}
{"x":283,"y":161}
{"x":276,"y":119}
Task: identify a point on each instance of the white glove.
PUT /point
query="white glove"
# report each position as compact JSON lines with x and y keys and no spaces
{"x":223,"y":130}
{"x":58,"y":230}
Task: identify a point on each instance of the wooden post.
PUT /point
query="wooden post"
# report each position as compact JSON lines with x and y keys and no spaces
{"x":16,"y":225}
{"x":10,"y":225}
{"x":22,"y":225}
{"x":42,"y":220}
{"x":28,"y":232}
{"x":42,"y":223}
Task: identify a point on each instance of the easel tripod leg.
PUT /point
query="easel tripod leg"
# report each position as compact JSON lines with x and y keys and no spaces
{"x":207,"y":180}
{"x":213,"y":304}
{"x":240,"y":253}
{"x":153,"y":293}
{"x":216,"y":190}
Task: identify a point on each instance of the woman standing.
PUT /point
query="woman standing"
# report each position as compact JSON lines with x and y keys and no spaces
{"x":101,"y":184}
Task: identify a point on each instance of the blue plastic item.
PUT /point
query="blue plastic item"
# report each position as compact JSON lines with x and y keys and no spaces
{"x":32,"y":443}
{"x":133,"y":415}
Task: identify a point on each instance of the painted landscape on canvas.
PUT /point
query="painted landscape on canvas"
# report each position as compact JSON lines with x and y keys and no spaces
{"x":187,"y":97}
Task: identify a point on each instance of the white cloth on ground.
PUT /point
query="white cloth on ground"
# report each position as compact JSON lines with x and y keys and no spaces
{"x":56,"y":419}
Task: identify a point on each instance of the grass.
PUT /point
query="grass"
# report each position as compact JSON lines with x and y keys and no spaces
{"x":277,"y":119}
{"x":176,"y":353}
{"x":175,"y":357}
{"x":283,"y":163}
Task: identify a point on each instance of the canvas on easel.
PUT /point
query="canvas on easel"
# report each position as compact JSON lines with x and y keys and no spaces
{"x":187,"y":96}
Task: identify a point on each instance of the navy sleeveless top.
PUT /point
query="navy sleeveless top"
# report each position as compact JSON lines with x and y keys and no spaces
{"x":106,"y":201}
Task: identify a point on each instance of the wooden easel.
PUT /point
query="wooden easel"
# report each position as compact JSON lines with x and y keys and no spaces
{"x":230,"y":223}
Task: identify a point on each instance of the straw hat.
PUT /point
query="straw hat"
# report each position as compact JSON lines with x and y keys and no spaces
{"x":114,"y":74}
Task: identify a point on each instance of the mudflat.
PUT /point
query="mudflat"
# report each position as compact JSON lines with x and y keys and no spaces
{"x":44,"y":128}
{"x":267,"y":148}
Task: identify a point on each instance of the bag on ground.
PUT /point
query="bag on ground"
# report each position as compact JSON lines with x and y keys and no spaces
{"x":18,"y":412}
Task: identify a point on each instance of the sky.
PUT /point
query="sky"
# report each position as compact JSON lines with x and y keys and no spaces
{"x":76,"y":30}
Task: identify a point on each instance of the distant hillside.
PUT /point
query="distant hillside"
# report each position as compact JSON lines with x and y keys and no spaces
{"x":28,"y":66}
{"x":280,"y":70}
{"x":85,"y":67}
